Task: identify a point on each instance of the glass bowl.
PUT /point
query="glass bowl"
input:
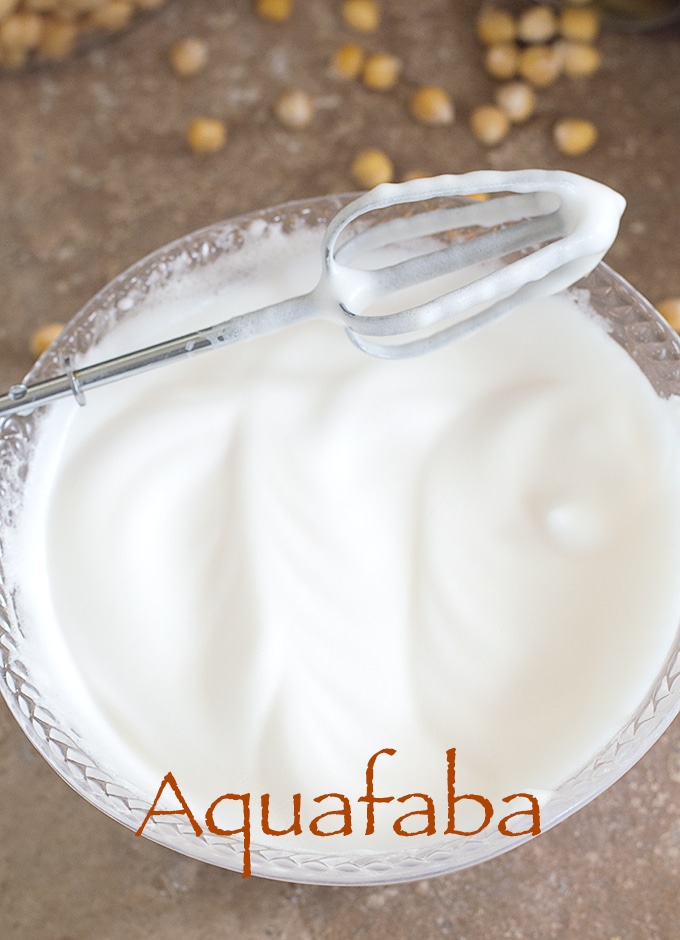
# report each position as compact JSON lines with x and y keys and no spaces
{"x":62,"y":32}
{"x":175,"y":270}
{"x":639,"y":14}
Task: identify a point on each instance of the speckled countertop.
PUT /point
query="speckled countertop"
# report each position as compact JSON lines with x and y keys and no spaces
{"x":94,"y":173}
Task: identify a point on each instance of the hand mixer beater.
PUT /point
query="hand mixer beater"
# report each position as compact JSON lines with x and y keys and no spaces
{"x":540,"y":233}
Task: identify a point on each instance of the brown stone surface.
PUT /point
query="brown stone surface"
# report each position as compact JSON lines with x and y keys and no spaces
{"x":94,"y":173}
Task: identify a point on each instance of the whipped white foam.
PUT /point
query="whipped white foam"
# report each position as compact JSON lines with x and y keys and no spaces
{"x":258,"y":567}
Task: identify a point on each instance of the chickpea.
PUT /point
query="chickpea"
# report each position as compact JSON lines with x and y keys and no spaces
{"x":21,"y":31}
{"x":670,"y":311}
{"x":432,"y":104}
{"x":579,"y":58}
{"x":43,"y":337}
{"x":188,"y":57}
{"x":295,"y":109}
{"x":372,"y":167}
{"x":574,"y":136}
{"x":113,"y":16}
{"x":362,"y":15}
{"x":495,"y":26}
{"x":540,"y":65}
{"x":276,"y":10}
{"x":502,"y":60}
{"x":537,"y":23}
{"x":58,"y":39}
{"x":206,"y":135}
{"x":7,"y":7}
{"x":517,"y":99}
{"x":381,"y":71}
{"x":348,"y":61}
{"x":489,"y":124}
{"x":582,"y":25}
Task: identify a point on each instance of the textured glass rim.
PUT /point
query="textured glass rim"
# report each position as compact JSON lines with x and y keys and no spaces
{"x":625,"y":315}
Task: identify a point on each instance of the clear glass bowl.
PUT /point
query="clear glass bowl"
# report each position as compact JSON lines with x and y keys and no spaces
{"x":626,"y":316}
{"x":639,"y":14}
{"x":56,"y":31}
